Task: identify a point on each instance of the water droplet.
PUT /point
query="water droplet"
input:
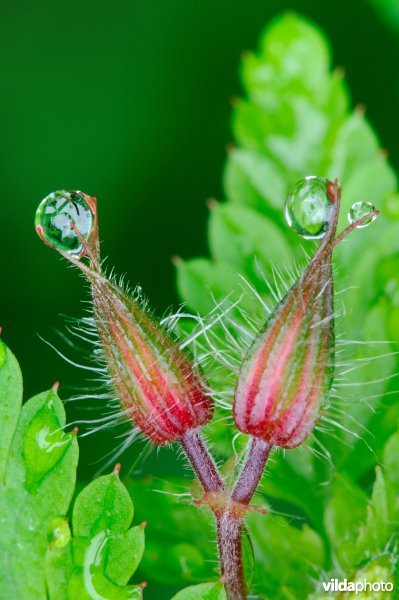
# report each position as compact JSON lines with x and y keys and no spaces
{"x":60,"y":533}
{"x":359,"y":210}
{"x":59,"y":215}
{"x":44,"y":443}
{"x":308,"y":208}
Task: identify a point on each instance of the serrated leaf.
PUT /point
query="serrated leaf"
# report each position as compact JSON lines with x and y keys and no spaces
{"x":355,"y":144}
{"x":198,"y":276}
{"x":44,"y":442}
{"x":203,"y":591}
{"x":124,"y":554}
{"x":98,"y":503}
{"x":34,"y":499}
{"x":251,"y":178}
{"x":106,"y":552}
{"x":179,"y":536}
{"x":238,"y":236}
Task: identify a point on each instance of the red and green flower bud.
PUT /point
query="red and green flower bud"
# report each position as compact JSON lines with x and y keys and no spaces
{"x":288,"y":372}
{"x":155,"y":381}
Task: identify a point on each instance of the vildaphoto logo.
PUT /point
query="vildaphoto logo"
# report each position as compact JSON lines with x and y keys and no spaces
{"x":336,"y":585}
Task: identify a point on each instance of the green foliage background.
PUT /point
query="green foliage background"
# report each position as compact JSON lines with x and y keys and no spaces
{"x":130,"y":103}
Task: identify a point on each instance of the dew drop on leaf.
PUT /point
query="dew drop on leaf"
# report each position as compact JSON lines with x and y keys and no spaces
{"x":360,"y":210}
{"x":59,"y":218}
{"x":44,"y":443}
{"x":60,"y":533}
{"x":308,"y":208}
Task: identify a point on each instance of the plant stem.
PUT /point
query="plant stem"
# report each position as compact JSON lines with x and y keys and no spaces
{"x":229,"y":530}
{"x":202,"y":462}
{"x":229,"y":519}
{"x":248,"y":480}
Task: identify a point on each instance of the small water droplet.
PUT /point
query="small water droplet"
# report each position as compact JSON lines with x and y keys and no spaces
{"x":60,"y":533}
{"x":359,"y":210}
{"x":59,"y":215}
{"x":308,"y":208}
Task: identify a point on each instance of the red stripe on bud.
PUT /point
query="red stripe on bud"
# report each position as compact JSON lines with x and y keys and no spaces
{"x":288,"y":371}
{"x":155,"y":381}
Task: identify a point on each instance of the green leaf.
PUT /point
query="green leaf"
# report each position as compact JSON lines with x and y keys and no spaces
{"x":345,"y":517}
{"x":287,"y":558}
{"x":239,"y":237}
{"x":44,"y":442}
{"x":10,"y":402}
{"x":125,"y":554}
{"x":355,"y":144}
{"x":105,"y":547}
{"x":253,"y":179}
{"x":204,"y":591}
{"x":39,"y":461}
{"x":179,"y":536}
{"x":197,"y":276}
{"x":98,"y":503}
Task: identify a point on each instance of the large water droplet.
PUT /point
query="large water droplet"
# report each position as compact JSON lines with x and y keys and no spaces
{"x":360,"y":210}
{"x":308,"y":208}
{"x":59,"y":216}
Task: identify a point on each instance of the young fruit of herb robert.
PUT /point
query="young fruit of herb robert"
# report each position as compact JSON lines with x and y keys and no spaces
{"x":284,"y":378}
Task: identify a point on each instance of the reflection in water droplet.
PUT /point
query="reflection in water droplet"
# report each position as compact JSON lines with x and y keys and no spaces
{"x":60,"y":533}
{"x":308,"y":208}
{"x":48,"y":440}
{"x":57,"y":217}
{"x":359,"y":210}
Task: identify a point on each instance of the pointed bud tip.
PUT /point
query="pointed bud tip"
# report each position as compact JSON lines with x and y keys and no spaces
{"x":176,"y":260}
{"x":117,"y":469}
{"x":143,"y":524}
{"x":74,"y":431}
{"x":143,"y":584}
{"x":211,"y":203}
{"x":55,"y":386}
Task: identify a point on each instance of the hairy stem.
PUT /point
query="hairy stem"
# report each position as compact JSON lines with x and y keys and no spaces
{"x":248,"y":480}
{"x":229,"y":518}
{"x":229,"y":530}
{"x":202,"y":462}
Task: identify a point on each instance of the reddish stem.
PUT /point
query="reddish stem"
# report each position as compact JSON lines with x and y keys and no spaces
{"x":202,"y":462}
{"x":229,"y":520}
{"x":229,"y":530}
{"x":252,"y":471}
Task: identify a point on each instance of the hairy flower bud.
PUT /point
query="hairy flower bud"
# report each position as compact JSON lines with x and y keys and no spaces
{"x":154,"y":380}
{"x":289,"y":369}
